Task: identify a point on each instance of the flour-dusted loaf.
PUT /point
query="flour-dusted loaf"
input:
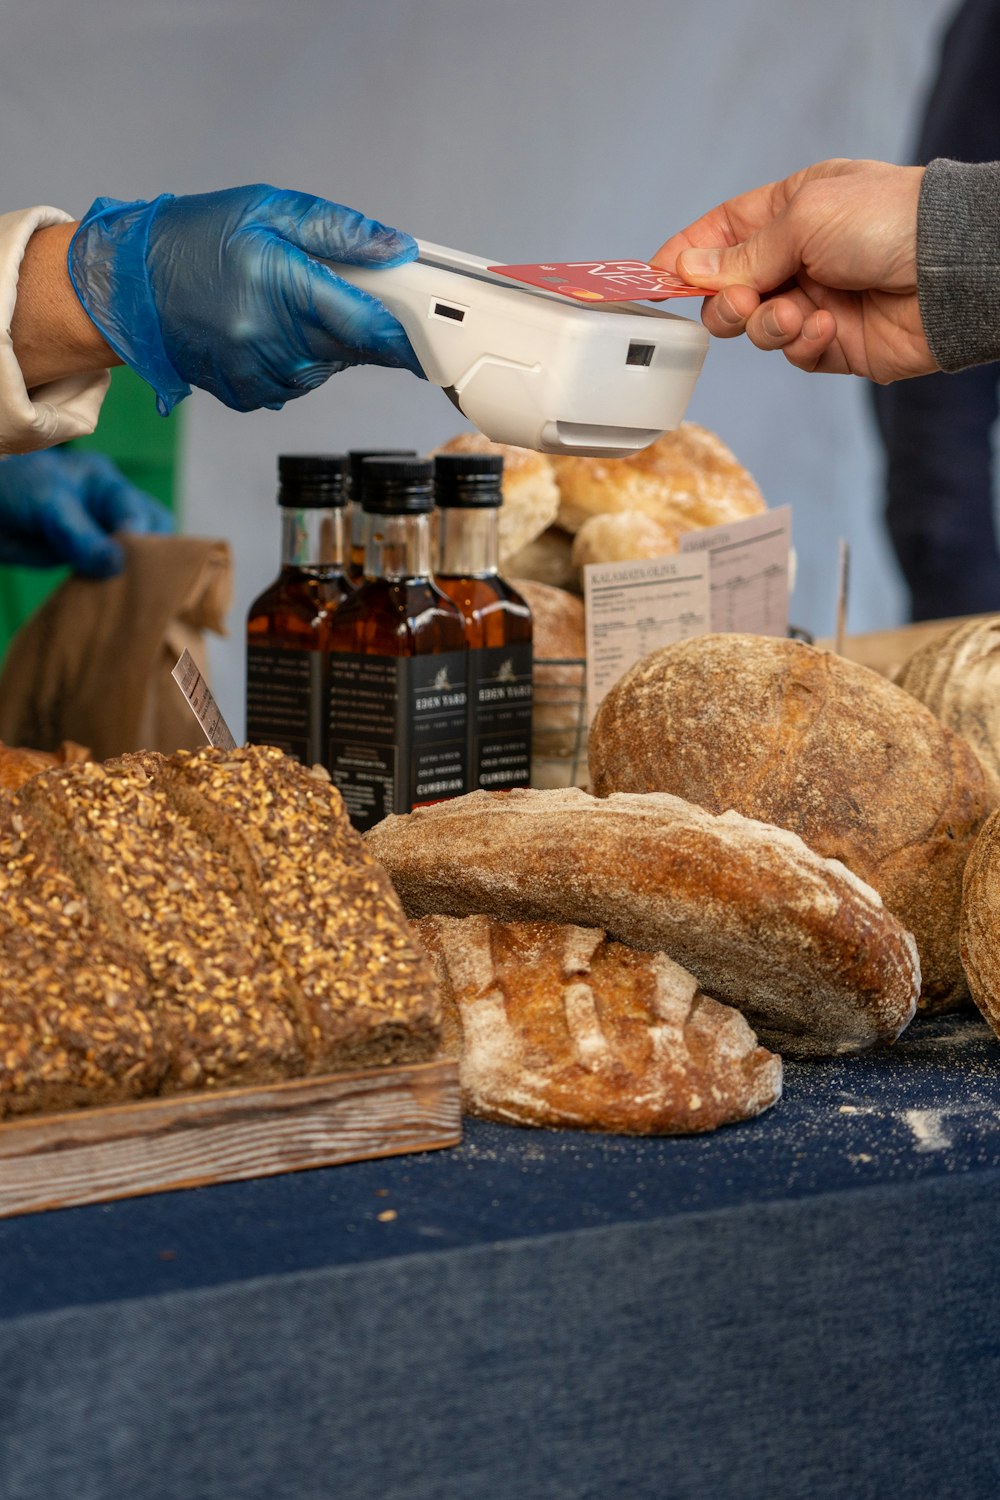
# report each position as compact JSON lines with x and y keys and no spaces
{"x":208,"y":919}
{"x":979,"y":932}
{"x":801,"y":946}
{"x":554,"y":1025}
{"x":957,"y":676}
{"x":797,"y":736}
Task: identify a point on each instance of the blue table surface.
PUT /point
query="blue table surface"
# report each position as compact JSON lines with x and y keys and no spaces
{"x":928,"y":1107}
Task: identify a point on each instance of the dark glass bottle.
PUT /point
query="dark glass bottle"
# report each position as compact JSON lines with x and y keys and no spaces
{"x":398,"y":730}
{"x":468,"y":493}
{"x":355,"y":509}
{"x":287,"y":624}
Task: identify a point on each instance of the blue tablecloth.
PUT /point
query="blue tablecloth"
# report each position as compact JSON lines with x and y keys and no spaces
{"x":801,"y":1306}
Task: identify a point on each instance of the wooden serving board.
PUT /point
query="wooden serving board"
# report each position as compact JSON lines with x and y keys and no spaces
{"x":190,"y":1140}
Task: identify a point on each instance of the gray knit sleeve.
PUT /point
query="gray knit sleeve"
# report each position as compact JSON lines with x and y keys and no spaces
{"x":958,"y":262}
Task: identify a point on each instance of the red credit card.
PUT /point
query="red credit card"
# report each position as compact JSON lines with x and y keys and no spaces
{"x":603,"y":280}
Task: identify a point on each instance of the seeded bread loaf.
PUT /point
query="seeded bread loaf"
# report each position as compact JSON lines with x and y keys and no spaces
{"x":800,"y":737}
{"x":554,"y":1025}
{"x":219,"y":917}
{"x":803,"y":948}
{"x":74,"y":1027}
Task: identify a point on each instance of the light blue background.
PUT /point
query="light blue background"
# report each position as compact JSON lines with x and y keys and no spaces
{"x":510,"y":129}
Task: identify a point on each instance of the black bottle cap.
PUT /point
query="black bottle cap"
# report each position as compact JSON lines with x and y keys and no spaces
{"x":397,"y":486}
{"x":313,"y":481}
{"x":468,"y":480}
{"x":357,"y":456}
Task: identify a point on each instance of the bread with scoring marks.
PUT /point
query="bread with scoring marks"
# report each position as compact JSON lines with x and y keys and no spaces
{"x":555,"y":1025}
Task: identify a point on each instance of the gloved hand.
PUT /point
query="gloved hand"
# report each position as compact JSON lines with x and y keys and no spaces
{"x":222,"y":290}
{"x":61,"y":506}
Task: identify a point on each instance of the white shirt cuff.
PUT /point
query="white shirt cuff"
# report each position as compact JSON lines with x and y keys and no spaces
{"x":51,"y":413}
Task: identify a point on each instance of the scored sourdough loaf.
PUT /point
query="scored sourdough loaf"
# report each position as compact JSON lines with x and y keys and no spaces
{"x":216,"y":912}
{"x":979,"y":929}
{"x":554,"y":1025}
{"x":803,"y":948}
{"x":797,"y":736}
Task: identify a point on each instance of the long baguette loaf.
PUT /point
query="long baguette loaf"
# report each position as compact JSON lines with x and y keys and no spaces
{"x":804,"y":948}
{"x":553,"y":1025}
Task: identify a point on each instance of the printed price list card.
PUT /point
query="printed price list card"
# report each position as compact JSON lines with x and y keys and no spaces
{"x":748,"y":572}
{"x":632,"y":608}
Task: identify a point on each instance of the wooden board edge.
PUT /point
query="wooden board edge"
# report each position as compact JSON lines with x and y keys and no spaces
{"x":240,"y":1134}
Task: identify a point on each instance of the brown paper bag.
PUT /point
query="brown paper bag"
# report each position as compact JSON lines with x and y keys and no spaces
{"x":94,"y":663}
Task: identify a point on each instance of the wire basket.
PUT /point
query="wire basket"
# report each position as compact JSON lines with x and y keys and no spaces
{"x":559,"y":723}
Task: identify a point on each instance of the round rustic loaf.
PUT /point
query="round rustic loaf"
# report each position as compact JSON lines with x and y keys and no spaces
{"x":957,"y":676}
{"x":800,"y":737}
{"x":554,"y":1025}
{"x":686,"y":479}
{"x":801,"y":946}
{"x":979,"y":931}
{"x":530,"y":496}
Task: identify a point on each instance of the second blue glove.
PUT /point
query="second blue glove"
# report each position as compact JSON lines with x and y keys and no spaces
{"x":61,"y":507}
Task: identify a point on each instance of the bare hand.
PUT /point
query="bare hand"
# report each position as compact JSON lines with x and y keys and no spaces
{"x":821,"y":266}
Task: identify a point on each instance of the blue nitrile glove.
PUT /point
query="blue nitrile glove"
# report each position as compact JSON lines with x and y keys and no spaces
{"x":222,"y":290}
{"x":61,"y":506}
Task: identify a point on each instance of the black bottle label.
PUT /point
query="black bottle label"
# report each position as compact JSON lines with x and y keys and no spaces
{"x":398,"y":731}
{"x":500,"y":716}
{"x":285,"y":699}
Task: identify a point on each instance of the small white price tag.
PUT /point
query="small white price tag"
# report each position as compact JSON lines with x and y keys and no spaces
{"x":632,"y":608}
{"x":202,"y":703}
{"x":749,"y":571}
